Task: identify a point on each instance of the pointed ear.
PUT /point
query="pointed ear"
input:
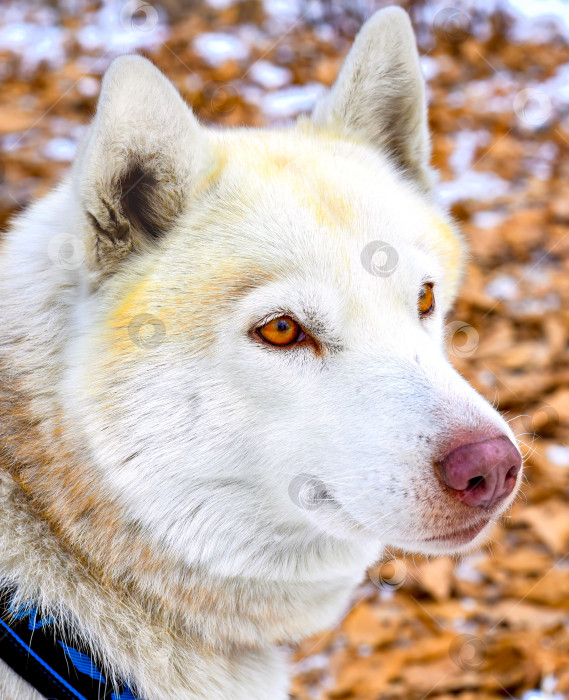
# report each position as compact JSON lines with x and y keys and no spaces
{"x":379,"y":95}
{"x":143,"y":155}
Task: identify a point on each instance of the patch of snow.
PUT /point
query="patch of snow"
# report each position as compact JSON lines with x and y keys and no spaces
{"x":270,"y":76}
{"x":283,"y":10}
{"x":93,"y":64}
{"x":463,"y":626}
{"x":325,"y":33}
{"x":288,"y":102}
{"x":546,"y":692}
{"x":558,"y":455}
{"x":530,"y":306}
{"x":88,"y":86}
{"x":541,"y":695}
{"x":488,"y":219}
{"x":494,"y":94}
{"x":538,"y":104}
{"x":503,"y":287}
{"x":252,"y":94}
{"x":216,"y":48}
{"x":486,"y":378}
{"x":60,"y":149}
{"x":466,"y":570}
{"x":538,"y":20}
{"x":122,"y":27}
{"x":32,"y":42}
{"x":481,"y":186}
{"x":252,"y":35}
{"x":311,"y":663}
{"x":540,"y":163}
{"x":429,"y":67}
{"x":222,"y":4}
{"x":469,"y":183}
{"x":538,"y":274}
{"x":467,"y":144}
{"x":386,"y":595}
{"x":456,"y":99}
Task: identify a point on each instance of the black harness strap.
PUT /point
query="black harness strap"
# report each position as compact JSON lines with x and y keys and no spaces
{"x":56,"y":670}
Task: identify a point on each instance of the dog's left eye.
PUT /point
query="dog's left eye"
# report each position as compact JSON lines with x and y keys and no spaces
{"x":281,"y":331}
{"x":426,"y":301}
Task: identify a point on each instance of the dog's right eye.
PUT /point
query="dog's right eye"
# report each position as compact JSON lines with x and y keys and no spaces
{"x":281,"y":331}
{"x":426,"y":301}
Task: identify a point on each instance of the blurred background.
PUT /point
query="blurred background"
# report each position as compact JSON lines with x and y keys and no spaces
{"x":495,"y":623}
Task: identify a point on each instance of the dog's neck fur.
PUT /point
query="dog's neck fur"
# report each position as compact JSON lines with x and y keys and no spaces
{"x":126,"y":638}
{"x":66,"y":544}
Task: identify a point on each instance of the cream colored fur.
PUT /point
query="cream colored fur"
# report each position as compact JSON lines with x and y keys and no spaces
{"x":146,"y":482}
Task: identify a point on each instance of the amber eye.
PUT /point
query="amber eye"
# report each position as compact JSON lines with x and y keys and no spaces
{"x":281,"y":331}
{"x":426,"y":301}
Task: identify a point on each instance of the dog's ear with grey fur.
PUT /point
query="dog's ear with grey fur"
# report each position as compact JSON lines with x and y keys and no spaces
{"x":379,"y":96}
{"x":143,"y":154}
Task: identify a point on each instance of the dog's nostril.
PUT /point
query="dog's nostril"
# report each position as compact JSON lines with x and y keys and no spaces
{"x":474,"y":482}
{"x":513,"y":472}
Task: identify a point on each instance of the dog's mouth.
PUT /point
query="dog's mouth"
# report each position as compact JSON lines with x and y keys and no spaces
{"x":461,"y":535}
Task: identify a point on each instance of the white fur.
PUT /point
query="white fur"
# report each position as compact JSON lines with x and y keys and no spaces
{"x":198,"y":436}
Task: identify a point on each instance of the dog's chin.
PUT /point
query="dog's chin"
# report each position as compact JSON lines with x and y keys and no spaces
{"x":456,"y":541}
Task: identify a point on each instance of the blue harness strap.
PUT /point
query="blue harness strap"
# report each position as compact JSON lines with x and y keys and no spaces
{"x":56,"y":670}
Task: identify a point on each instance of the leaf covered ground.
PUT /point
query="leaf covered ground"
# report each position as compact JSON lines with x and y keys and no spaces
{"x":495,"y":623}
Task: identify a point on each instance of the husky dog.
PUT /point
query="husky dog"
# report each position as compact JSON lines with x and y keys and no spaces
{"x":223,"y":382}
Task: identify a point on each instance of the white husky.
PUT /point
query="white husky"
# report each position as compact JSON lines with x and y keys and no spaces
{"x":223,"y":384}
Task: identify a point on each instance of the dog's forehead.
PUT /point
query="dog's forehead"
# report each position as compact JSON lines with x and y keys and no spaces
{"x":294,"y":208}
{"x":313,"y":191}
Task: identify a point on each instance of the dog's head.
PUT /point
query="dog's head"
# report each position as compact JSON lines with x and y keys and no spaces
{"x":262,"y":343}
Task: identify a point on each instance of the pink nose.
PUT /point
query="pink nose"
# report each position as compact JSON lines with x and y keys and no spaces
{"x":482,"y":473}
